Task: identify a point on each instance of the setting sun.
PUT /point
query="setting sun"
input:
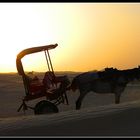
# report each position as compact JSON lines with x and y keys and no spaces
{"x":89,"y":35}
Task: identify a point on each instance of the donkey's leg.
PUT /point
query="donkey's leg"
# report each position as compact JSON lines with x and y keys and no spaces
{"x":117,"y":97}
{"x":79,"y":100}
{"x":118,"y":91}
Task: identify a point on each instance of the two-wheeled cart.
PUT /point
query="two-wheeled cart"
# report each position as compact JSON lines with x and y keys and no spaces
{"x":51,"y":86}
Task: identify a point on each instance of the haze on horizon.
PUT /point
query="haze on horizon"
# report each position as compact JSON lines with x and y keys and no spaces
{"x":90,"y":36}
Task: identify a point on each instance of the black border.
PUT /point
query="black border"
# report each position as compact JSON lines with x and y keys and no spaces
{"x":66,"y":1}
{"x":70,"y":1}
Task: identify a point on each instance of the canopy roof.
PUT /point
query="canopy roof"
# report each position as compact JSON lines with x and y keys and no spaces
{"x":30,"y":51}
{"x":35,"y":49}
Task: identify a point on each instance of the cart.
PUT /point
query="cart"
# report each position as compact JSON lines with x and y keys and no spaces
{"x":52,"y":87}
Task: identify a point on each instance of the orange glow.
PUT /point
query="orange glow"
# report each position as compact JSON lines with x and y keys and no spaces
{"x":89,"y":35}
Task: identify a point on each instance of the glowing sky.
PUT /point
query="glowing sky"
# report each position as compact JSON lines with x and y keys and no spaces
{"x":89,"y":35}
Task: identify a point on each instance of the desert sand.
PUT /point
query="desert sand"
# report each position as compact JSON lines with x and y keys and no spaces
{"x":98,"y":117}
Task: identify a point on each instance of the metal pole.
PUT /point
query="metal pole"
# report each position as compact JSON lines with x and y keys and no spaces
{"x":50,"y":61}
{"x":47,"y":61}
{"x":51,"y":66}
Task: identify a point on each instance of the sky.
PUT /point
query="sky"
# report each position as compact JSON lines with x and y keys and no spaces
{"x":90,"y":36}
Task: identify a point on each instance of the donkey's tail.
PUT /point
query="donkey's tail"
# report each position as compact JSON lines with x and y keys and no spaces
{"x":73,"y":86}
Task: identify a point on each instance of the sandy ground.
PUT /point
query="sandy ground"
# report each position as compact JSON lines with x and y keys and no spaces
{"x":99,"y":116}
{"x":107,"y":121}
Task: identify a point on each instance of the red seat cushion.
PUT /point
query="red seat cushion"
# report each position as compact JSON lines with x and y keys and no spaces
{"x":36,"y":88}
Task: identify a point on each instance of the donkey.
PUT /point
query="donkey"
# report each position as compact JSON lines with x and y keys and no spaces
{"x":108,"y":81}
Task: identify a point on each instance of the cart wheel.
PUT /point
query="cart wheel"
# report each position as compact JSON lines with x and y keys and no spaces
{"x":45,"y":107}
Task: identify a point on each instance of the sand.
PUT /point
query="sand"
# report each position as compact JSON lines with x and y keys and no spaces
{"x":98,"y":117}
{"x":105,"y":121}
